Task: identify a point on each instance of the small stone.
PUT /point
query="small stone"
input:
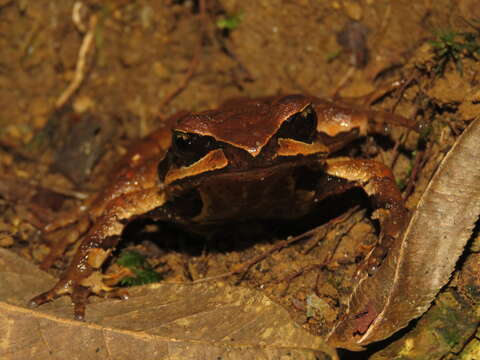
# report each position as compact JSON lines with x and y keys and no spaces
{"x":6,"y":159}
{"x":22,"y":174}
{"x":13,"y":131}
{"x":39,"y":107}
{"x":336,"y":5}
{"x":317,"y":305}
{"x":25,"y":231}
{"x":39,"y":253}
{"x":469,"y":110}
{"x":6,"y":240}
{"x":39,"y":122}
{"x":160,"y":70}
{"x":301,"y":295}
{"x":4,"y":227}
{"x":130,"y":58}
{"x":5,"y":2}
{"x":83,"y":104}
{"x":353,"y":10}
{"x":15,"y":220}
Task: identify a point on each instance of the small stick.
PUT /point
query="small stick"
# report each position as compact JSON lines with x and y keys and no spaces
{"x":401,"y":90}
{"x":183,"y":84}
{"x":344,"y":228}
{"x":194,"y":62}
{"x":81,"y":66}
{"x":395,"y":152}
{"x":419,"y":162}
{"x":343,"y":81}
{"x":244,"y":268}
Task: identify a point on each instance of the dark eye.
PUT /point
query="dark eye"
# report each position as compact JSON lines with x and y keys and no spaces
{"x":301,"y":126}
{"x":189,"y":148}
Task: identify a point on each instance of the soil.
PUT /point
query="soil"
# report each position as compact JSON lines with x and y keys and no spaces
{"x":148,"y":60}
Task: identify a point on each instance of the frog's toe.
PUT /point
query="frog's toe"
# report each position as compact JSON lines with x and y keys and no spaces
{"x":44,"y":298}
{"x":61,"y":288}
{"x":121,"y":294}
{"x":80,"y":296}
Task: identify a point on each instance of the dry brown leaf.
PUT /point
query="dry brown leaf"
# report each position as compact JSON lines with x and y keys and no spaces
{"x":421,"y":261}
{"x":160,"y":321}
{"x":449,"y":329}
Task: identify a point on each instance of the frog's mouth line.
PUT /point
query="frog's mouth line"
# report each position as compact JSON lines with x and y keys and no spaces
{"x":192,"y":179}
{"x":214,"y":160}
{"x":289,"y":151}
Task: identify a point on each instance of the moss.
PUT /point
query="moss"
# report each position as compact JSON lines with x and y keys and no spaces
{"x":451,"y":46}
{"x":137,"y":263}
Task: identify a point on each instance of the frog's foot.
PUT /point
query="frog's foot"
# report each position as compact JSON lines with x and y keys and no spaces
{"x":79,"y":293}
{"x":62,"y":287}
{"x":83,"y":277}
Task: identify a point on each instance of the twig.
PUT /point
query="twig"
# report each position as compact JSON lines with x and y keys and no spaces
{"x":334,"y":222}
{"x":345,"y":226}
{"x":183,"y":84}
{"x":243,"y":268}
{"x":395,"y":152}
{"x":81,"y":67}
{"x":419,"y":162}
{"x":401,"y":90}
{"x":318,"y":232}
{"x":30,"y":38}
{"x":343,"y":81}
{"x":78,"y":15}
{"x":192,"y":68}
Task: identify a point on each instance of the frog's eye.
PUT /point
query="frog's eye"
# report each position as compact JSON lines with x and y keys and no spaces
{"x":301,"y":126}
{"x":189,"y":148}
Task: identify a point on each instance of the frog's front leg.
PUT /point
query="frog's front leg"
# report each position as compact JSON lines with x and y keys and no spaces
{"x":379,"y":183}
{"x":136,"y":170}
{"x":82,"y":276}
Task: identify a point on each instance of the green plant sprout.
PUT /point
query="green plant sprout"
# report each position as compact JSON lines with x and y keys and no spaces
{"x":229,"y":22}
{"x":332,"y":55}
{"x":451,"y":46}
{"x":137,"y":263}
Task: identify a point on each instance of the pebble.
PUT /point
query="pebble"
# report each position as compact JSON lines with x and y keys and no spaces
{"x":6,"y":240}
{"x":353,"y":10}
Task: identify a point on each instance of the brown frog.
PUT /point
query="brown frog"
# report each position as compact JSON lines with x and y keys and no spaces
{"x":248,"y":159}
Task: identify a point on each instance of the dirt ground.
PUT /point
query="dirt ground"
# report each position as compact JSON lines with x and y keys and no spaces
{"x":64,"y":122}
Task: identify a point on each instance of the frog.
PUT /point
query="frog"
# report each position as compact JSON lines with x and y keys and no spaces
{"x":265,"y":158}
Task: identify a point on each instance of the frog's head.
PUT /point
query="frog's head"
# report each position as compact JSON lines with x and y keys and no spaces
{"x":247,"y":134}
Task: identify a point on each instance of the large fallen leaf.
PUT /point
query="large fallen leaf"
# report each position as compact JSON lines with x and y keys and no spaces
{"x":422,"y":260}
{"x":161,"y":321}
{"x":449,"y":329}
